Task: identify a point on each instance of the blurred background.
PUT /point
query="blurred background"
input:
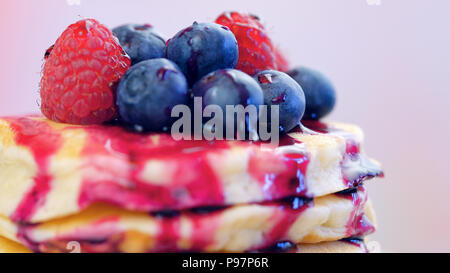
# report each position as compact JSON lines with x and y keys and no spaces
{"x":389,"y":60}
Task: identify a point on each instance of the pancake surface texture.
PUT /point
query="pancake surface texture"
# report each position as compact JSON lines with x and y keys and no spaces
{"x":51,"y":170}
{"x":240,"y":228}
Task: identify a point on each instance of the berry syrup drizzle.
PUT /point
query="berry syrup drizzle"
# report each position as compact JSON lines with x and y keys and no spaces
{"x":356,"y":167}
{"x":115,"y":158}
{"x":193,"y":183}
{"x":288,"y":212}
{"x":43,"y":143}
{"x":99,"y":236}
{"x":358,"y":224}
{"x":105,"y":235}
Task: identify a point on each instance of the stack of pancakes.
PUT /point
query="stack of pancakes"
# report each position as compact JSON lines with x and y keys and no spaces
{"x":102,"y":188}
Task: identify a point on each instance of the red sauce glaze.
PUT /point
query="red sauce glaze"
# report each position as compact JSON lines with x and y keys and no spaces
{"x":43,"y":143}
{"x":358,"y":224}
{"x":22,"y":236}
{"x":283,"y":220}
{"x":115,"y":158}
{"x":204,"y":227}
{"x":103,"y":236}
{"x":168,"y":234}
{"x":192,"y":183}
{"x":352,"y":176}
{"x":352,"y":147}
{"x":280,"y":176}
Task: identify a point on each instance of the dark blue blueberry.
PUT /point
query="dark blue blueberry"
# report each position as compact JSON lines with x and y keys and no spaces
{"x":319,"y":92}
{"x":203,"y":48}
{"x":140,"y":42}
{"x":148,"y":91}
{"x":228,"y":87}
{"x":280,"y":89}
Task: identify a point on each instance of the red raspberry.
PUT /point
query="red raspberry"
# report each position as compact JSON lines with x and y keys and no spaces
{"x":80,"y":72}
{"x":256,"y":51}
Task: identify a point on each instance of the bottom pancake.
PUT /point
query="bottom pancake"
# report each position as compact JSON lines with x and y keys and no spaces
{"x":240,"y":228}
{"x":342,"y":246}
{"x":347,"y":245}
{"x":332,"y":247}
{"x":8,"y":246}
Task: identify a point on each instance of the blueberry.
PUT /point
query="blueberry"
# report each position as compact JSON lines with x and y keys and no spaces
{"x":228,"y":87}
{"x":203,"y":48}
{"x":280,"y":89}
{"x":148,"y":91}
{"x":140,"y":42}
{"x":319,"y":92}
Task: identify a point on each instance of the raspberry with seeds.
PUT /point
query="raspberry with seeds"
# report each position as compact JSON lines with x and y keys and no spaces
{"x":80,"y":74}
{"x":256,"y":50}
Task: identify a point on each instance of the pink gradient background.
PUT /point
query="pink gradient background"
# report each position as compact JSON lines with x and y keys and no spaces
{"x":389,"y":63}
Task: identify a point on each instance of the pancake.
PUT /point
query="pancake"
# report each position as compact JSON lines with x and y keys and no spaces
{"x":8,"y":246}
{"x":346,"y":245}
{"x":238,"y":228}
{"x":333,"y":247}
{"x":51,"y":170}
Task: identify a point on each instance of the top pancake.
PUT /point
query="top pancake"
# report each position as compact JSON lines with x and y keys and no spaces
{"x":49,"y":170}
